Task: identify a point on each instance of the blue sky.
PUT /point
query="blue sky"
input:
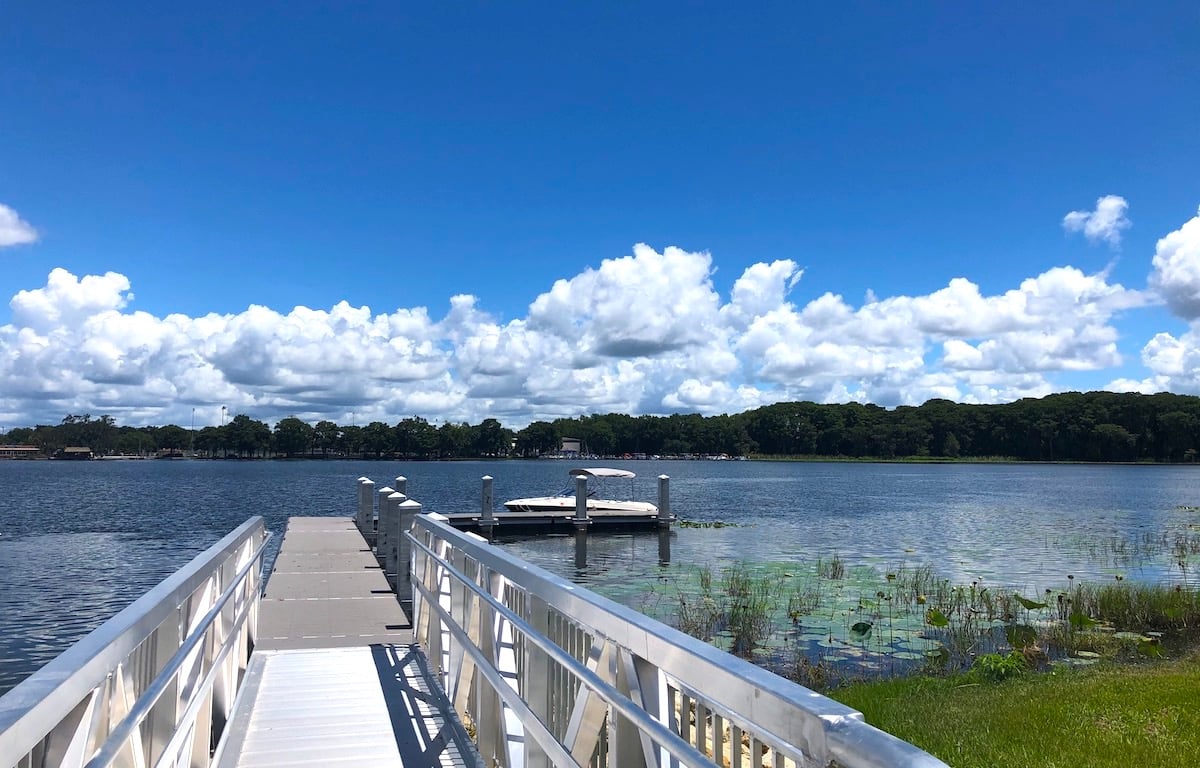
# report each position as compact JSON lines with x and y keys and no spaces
{"x":306,"y":154}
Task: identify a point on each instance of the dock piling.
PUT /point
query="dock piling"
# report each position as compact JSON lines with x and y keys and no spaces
{"x":581,"y":542}
{"x":366,"y":506}
{"x":581,"y":514}
{"x":381,"y":529}
{"x":406,"y":511}
{"x":401,"y":484}
{"x":391,"y":555}
{"x":664,"y":501}
{"x":487,"y":514}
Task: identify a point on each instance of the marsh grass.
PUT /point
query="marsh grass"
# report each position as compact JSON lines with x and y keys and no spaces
{"x":827,"y":622}
{"x":736,"y":610}
{"x":1139,"y":606}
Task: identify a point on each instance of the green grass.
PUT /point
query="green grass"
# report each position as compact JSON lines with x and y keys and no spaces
{"x":1120,"y":715}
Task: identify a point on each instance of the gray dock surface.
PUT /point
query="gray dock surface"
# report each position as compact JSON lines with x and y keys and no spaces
{"x":328,"y":591}
{"x":335,"y":679}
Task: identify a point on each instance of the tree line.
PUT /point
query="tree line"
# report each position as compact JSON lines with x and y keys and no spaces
{"x":1071,"y":426}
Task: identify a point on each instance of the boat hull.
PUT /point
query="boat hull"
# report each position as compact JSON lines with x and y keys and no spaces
{"x":565,"y":505}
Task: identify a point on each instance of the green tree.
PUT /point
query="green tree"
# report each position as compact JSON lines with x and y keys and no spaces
{"x":492,"y":439}
{"x":173,"y":437}
{"x":950,"y":446}
{"x":454,"y":440}
{"x":1176,"y":430}
{"x":377,"y":438}
{"x":210,"y":441}
{"x":1114,"y":443}
{"x":292,"y":436}
{"x":325,"y":436}
{"x":350,"y":440}
{"x":248,"y":436}
{"x":537,"y":438}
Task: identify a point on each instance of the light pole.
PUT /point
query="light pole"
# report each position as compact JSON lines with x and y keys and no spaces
{"x":192,"y":436}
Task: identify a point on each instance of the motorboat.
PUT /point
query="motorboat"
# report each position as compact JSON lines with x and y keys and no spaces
{"x":564,"y":503}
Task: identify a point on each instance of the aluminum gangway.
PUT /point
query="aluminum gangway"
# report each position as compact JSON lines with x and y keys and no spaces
{"x":502,"y":664}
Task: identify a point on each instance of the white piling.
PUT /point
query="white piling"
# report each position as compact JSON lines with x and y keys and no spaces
{"x":391,"y":554}
{"x":487,"y":515}
{"x":664,"y":501}
{"x":407,"y":510}
{"x":380,"y":529}
{"x":401,"y":484}
{"x":366,"y":506}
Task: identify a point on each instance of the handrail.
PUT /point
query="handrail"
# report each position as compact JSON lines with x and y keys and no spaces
{"x":65,"y":712}
{"x":602,"y":684}
{"x":142,"y":707}
{"x":677,"y":747}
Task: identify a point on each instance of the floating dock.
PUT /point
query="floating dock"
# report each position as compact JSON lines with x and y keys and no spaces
{"x":562,"y":513}
{"x":515,"y":523}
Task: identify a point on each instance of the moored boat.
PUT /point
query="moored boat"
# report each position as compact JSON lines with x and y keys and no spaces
{"x":564,"y":503}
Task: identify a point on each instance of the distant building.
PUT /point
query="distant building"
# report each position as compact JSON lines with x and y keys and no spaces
{"x":75,"y":453}
{"x":571,"y":446}
{"x":19,"y":451}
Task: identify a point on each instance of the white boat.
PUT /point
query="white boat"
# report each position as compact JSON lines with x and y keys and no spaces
{"x":564,"y":503}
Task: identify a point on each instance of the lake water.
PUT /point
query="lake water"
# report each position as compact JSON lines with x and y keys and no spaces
{"x":79,"y":541}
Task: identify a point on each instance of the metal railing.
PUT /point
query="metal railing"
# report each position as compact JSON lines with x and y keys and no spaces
{"x":549,"y":673}
{"x":154,"y":685}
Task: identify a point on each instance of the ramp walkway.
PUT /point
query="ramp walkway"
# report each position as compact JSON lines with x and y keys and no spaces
{"x":335,"y":679}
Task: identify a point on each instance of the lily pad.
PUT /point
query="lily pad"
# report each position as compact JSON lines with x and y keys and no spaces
{"x":1080,"y":620}
{"x":936,"y":618}
{"x":1137,"y":636}
{"x":1150,"y":648}
{"x":861,"y":629}
{"x":1031,"y":605}
{"x":919,"y":644}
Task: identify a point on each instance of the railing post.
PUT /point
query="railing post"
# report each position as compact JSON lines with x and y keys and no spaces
{"x":581,"y":514}
{"x":487,"y":515}
{"x":380,"y":528}
{"x":366,"y":506}
{"x":404,"y":587}
{"x":664,"y":501}
{"x":536,"y":675}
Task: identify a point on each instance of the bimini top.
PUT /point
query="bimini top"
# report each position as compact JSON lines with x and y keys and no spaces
{"x":601,"y":472}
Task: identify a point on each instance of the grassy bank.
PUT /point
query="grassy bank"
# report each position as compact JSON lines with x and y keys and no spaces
{"x":1114,"y":715}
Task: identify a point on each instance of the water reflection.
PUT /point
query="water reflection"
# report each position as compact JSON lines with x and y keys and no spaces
{"x":584,"y":575}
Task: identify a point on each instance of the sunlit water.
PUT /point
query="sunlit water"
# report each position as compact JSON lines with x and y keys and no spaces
{"x":78,"y":541}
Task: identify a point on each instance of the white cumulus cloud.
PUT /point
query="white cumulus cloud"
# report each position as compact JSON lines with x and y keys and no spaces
{"x":1176,"y":274}
{"x":13,"y":229}
{"x":643,"y":333}
{"x":1103,"y":224}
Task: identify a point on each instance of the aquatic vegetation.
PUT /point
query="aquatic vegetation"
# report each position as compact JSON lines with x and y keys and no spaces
{"x":737,"y":615}
{"x":997,"y":667}
{"x":825,"y":622}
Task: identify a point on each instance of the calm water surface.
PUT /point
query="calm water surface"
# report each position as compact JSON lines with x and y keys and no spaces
{"x":79,"y":541}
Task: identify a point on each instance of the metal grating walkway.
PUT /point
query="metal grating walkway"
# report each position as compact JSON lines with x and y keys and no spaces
{"x":334,"y":679}
{"x":343,"y":707}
